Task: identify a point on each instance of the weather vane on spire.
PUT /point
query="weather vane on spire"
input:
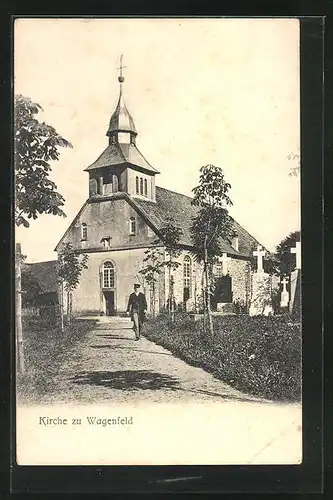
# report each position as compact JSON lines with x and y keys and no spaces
{"x":120,"y":77}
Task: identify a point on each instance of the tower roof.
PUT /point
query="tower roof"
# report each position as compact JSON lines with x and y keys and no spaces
{"x":121,"y":154}
{"x":121,"y":120}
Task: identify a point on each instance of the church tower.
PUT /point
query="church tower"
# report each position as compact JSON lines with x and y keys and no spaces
{"x":121,"y":167}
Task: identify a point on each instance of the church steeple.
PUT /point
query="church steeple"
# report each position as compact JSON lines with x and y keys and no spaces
{"x":121,"y":168}
{"x":121,"y":126}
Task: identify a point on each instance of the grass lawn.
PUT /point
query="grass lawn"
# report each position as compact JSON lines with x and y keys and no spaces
{"x":257,"y":355}
{"x":45,"y":348}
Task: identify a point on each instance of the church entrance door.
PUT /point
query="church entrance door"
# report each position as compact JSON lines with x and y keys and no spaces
{"x":223,"y":290}
{"x":109,"y":301}
{"x":186,"y":296}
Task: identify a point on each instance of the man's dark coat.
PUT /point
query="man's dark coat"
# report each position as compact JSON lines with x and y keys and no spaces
{"x":138,"y":304}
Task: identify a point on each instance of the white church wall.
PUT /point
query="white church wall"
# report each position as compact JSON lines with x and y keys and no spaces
{"x":88,"y":297}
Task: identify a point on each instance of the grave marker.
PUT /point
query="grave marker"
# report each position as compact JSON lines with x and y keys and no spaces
{"x":284,"y":293}
{"x":260,"y":254}
{"x":297,"y":250}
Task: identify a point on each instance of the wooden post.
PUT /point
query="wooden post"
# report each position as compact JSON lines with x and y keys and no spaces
{"x":195,"y":291}
{"x":207,"y":289}
{"x":61,"y":289}
{"x":18,"y":312}
{"x":172,"y":308}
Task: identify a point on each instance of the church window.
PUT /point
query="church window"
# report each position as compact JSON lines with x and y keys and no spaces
{"x":141,"y":185}
{"x":84,"y":231}
{"x":218,"y":270}
{"x":187,"y":275}
{"x":106,"y":241}
{"x":137,"y":185}
{"x":132,"y":225}
{"x":132,"y":139}
{"x":113,"y":139}
{"x":146,"y":187}
{"x":108,"y":275}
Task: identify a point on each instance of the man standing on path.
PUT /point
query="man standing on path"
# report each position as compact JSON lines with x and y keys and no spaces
{"x":137,"y":306}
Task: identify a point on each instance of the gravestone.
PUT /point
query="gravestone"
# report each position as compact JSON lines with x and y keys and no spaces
{"x":261,"y":298}
{"x":295,"y":282}
{"x":284,"y":302}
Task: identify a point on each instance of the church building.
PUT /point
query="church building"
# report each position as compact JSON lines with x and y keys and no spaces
{"x":121,"y":219}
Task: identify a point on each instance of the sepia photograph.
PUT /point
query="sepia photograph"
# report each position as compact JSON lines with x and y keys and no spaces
{"x":157,"y":241}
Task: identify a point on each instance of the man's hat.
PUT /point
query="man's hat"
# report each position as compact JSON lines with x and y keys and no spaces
{"x":137,"y":285}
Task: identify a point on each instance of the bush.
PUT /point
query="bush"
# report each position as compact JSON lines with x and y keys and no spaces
{"x":258,"y":355}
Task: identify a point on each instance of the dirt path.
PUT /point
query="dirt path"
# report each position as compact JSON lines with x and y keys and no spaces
{"x":111,"y":366}
{"x":111,"y":374}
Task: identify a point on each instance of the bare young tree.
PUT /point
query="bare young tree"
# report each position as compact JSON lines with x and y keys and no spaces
{"x":70,"y":267}
{"x":211,"y":225}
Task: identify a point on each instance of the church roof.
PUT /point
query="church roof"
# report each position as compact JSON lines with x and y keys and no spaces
{"x":121,"y":120}
{"x":179,"y":208}
{"x":120,"y":154}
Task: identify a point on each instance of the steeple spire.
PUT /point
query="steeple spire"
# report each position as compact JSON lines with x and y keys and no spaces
{"x":121,"y":120}
{"x":120,"y":77}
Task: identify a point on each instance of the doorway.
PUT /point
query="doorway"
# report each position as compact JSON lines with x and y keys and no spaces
{"x":223,"y":291}
{"x":186,"y":296}
{"x":109,"y":303}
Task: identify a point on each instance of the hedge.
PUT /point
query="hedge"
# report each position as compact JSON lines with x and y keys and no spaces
{"x":257,"y":355}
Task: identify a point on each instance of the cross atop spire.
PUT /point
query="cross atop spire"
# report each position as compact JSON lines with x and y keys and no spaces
{"x":121,"y":67}
{"x":121,"y":120}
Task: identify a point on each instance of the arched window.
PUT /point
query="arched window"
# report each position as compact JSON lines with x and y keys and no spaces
{"x":146,"y":187}
{"x":84,"y":231}
{"x":132,"y":225}
{"x":137,"y":185}
{"x":141,"y":185}
{"x":187,"y":276}
{"x":108,"y":275}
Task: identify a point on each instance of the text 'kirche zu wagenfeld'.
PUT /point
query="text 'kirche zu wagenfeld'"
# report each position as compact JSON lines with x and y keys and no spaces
{"x":91,"y":421}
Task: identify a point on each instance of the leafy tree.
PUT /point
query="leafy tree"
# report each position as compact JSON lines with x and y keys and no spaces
{"x":30,"y":287}
{"x":211,"y":225}
{"x":35,"y":146}
{"x":153,"y":264}
{"x":70,"y":267}
{"x":170,"y":235}
{"x":285,"y":259}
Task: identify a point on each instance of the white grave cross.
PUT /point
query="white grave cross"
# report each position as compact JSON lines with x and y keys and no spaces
{"x":297,"y":250}
{"x":284,"y":283}
{"x":260,"y":254}
{"x":284,"y":293}
{"x":225,"y":261}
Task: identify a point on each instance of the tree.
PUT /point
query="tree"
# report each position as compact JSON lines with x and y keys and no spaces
{"x":152,"y":268}
{"x":70,"y":267}
{"x":170,"y":235}
{"x":285,"y":259}
{"x":30,"y":286}
{"x":211,"y":225}
{"x":35,"y":146}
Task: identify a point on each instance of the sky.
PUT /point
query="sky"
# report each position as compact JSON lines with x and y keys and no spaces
{"x":200,"y":91}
